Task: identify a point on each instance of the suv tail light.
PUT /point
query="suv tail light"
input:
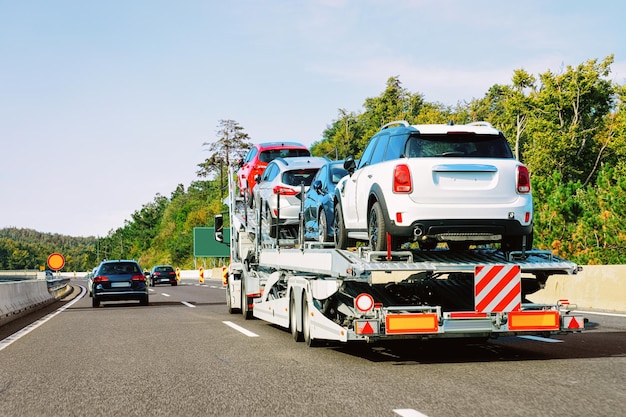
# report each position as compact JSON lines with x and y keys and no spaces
{"x":284,"y":190}
{"x":402,"y":179}
{"x":100,"y":278}
{"x":523,"y":180}
{"x":138,"y":278}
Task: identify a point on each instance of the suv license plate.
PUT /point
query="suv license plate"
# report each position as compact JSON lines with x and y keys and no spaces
{"x":120,"y":284}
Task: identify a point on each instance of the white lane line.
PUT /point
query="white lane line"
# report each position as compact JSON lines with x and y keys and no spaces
{"x":240,"y":329}
{"x":601,"y":314}
{"x":541,"y":339}
{"x":18,"y":335}
{"x":164,"y":294}
{"x":409,"y":412}
{"x":188,"y":304}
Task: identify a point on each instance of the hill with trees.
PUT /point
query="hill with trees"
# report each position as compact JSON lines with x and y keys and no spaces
{"x":569,"y":128}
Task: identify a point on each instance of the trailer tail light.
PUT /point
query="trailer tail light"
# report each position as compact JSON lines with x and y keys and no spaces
{"x":279,"y":189}
{"x":364,"y":303}
{"x":467,"y":315}
{"x":402,"y":179}
{"x":534,"y":320}
{"x":411,"y":323}
{"x":523,"y":180}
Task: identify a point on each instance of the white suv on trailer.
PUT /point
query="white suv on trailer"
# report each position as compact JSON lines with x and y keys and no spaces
{"x":458,"y":184}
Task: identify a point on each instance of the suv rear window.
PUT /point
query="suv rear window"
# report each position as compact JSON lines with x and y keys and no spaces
{"x":270,"y":155}
{"x":120,"y":268}
{"x":467,"y":145}
{"x":164,"y":269}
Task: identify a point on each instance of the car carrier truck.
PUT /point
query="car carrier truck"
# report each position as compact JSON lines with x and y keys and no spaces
{"x":321,"y":293}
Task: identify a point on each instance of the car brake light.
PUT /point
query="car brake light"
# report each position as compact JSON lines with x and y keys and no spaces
{"x":138,"y":278}
{"x":402,"y":179}
{"x":157,"y":273}
{"x":523,"y":180}
{"x":100,"y":278}
{"x":284,"y":190}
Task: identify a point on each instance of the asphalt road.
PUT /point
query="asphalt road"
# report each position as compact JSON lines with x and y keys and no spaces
{"x":184,"y":355}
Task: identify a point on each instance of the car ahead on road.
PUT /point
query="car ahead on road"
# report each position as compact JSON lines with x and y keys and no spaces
{"x":257,"y":158}
{"x":458,"y":184}
{"x":118,"y":280}
{"x":318,"y":202}
{"x":282,"y":187}
{"x":162,"y":274}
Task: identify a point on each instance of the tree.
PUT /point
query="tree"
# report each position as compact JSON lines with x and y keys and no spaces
{"x":232,"y":144}
{"x":569,"y":111}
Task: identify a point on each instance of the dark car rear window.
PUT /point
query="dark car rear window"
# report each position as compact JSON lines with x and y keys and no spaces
{"x":458,"y":144}
{"x":164,"y":269}
{"x":299,"y":176}
{"x":270,"y":155}
{"x":120,"y":268}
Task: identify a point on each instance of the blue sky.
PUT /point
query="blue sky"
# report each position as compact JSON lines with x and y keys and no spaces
{"x":104,"y":104}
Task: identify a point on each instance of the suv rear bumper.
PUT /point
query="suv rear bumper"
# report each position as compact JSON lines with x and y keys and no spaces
{"x":460,"y":229}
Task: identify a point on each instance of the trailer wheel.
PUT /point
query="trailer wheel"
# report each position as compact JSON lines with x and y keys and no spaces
{"x":229,"y":303}
{"x":293,"y":320}
{"x":306,"y":325}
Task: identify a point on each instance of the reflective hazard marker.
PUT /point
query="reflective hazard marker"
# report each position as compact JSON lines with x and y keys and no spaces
{"x":497,"y":288}
{"x":366,"y":327}
{"x":224,"y":275}
{"x":411,"y":323}
{"x":573,"y":323}
{"x":201,"y":275}
{"x":533,"y":320}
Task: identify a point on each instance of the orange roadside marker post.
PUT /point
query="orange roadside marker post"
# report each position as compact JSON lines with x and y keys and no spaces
{"x":177,"y":274}
{"x":224,"y":276}
{"x":201,"y":275}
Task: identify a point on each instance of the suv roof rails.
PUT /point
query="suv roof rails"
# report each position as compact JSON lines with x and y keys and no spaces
{"x":397,"y":122}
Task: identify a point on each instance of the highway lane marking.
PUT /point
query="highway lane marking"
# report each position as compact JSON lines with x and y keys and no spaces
{"x":541,"y":339}
{"x":240,"y":329}
{"x":188,"y":304}
{"x":19,"y":334}
{"x":164,"y":294}
{"x":409,"y":412}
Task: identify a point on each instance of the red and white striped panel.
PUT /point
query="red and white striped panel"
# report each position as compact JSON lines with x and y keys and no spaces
{"x":497,"y":288}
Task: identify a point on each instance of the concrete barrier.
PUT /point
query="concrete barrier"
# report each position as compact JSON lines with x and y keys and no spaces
{"x":598,"y":287}
{"x":19,"y":298}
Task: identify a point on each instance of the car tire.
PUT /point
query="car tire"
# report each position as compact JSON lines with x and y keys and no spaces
{"x":322,"y":227}
{"x":174,"y":284}
{"x":376,"y":228}
{"x":341,"y":236}
{"x":249,"y":199}
{"x":95,"y":302}
{"x":144,"y":301}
